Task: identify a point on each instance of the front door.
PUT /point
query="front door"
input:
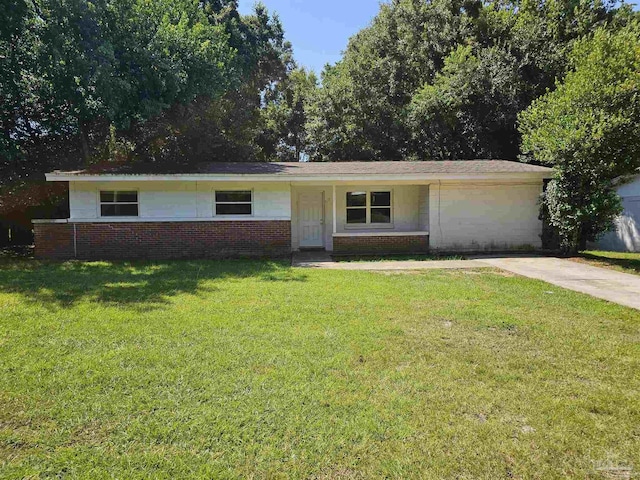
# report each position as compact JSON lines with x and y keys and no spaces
{"x":311,"y":219}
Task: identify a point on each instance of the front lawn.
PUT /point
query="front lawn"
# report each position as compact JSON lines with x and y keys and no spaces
{"x":257,"y":370}
{"x":417,"y":257}
{"x":627,"y":262}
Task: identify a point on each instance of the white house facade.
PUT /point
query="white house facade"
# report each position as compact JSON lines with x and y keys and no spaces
{"x":272,"y":209}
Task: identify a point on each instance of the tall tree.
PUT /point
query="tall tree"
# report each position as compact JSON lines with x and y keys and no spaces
{"x":358,"y":114}
{"x":284,"y":116}
{"x":446,"y":78}
{"x":131,"y":80}
{"x":469,"y":110}
{"x":589,"y":129}
{"x":220,"y":128}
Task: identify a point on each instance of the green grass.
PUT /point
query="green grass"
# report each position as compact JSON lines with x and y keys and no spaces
{"x":245,"y":369}
{"x":399,"y":257}
{"x":622,"y":261}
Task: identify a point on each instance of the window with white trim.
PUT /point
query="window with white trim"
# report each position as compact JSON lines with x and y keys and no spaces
{"x":368,"y":207}
{"x":119,"y":203}
{"x":233,"y":202}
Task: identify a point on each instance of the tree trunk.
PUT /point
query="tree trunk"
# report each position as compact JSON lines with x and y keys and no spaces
{"x":582,"y":240}
{"x":570,"y":246}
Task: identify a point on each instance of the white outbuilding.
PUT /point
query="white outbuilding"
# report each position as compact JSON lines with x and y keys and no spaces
{"x":626,"y":236}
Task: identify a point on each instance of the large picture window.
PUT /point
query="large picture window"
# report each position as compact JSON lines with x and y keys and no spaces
{"x":234,"y":202}
{"x":368,"y":207}
{"x":118,"y":203}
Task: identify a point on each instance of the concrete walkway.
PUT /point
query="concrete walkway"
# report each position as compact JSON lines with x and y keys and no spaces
{"x":617,"y":287}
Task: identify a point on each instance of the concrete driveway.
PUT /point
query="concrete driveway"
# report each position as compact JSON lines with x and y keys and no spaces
{"x":618,"y":287}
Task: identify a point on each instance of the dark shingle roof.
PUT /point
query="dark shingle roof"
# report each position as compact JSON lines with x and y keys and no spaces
{"x":323,"y":168}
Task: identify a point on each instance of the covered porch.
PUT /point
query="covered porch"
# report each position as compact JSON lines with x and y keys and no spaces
{"x":358,"y":218}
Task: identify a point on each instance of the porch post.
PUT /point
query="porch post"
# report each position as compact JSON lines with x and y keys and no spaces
{"x":335,"y":210}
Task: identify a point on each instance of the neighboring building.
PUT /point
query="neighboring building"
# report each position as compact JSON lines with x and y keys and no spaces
{"x":272,"y":209}
{"x":626,"y":236}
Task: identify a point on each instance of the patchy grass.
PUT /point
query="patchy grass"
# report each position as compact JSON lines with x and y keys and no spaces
{"x":622,"y":261}
{"x":253,"y":369}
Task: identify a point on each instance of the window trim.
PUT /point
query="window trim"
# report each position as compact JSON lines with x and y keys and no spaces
{"x":116,"y":190}
{"x":231,"y":215}
{"x":367,"y":207}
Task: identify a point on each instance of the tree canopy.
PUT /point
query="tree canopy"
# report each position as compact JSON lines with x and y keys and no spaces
{"x":446,"y":79}
{"x":589,"y":129}
{"x":130,"y":80}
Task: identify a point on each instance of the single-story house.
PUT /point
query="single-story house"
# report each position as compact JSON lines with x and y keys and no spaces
{"x":272,"y":209}
{"x":626,"y":235}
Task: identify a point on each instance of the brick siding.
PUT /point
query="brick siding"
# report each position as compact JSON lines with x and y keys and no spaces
{"x":53,"y":240}
{"x":381,"y":244}
{"x":164,"y":240}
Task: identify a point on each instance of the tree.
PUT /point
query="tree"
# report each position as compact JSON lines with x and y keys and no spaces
{"x":358,"y":112}
{"x":589,"y":129}
{"x":470,"y":109}
{"x":116,"y":62}
{"x":228,"y":127}
{"x":284,"y":116}
{"x":443,"y":79}
{"x":85,"y":82}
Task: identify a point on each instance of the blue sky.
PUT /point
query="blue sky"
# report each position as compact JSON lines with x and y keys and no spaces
{"x":319,"y":29}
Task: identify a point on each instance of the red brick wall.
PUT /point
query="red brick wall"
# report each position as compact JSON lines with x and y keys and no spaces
{"x":53,"y":240}
{"x":381,"y":244}
{"x":163,"y":240}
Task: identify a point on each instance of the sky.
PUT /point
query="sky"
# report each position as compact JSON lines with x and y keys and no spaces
{"x":319,"y":29}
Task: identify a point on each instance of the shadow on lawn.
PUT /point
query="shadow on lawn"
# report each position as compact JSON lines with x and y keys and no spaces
{"x":628,"y":263}
{"x":143,"y":285}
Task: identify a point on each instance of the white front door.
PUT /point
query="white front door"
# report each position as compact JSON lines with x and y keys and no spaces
{"x":311,"y":219}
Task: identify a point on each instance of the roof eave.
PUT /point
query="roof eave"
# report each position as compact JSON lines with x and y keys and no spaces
{"x":337,"y":178}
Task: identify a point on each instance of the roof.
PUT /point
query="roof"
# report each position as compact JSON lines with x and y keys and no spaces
{"x":312,"y":169}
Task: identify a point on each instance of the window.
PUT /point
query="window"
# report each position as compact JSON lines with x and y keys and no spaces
{"x":368,"y":207}
{"x":380,"y":207}
{"x":234,"y":202}
{"x":119,"y":204}
{"x":356,"y":207}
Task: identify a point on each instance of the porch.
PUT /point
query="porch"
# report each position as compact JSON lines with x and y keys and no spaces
{"x":358,"y":218}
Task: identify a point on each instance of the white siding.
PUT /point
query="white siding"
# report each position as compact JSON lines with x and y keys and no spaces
{"x":167,"y":199}
{"x":463,"y":216}
{"x":626,"y":236}
{"x":631,"y":188}
{"x":423,"y":199}
{"x":83,"y":200}
{"x":180,"y":200}
{"x":475,"y":216}
{"x":270,"y":200}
